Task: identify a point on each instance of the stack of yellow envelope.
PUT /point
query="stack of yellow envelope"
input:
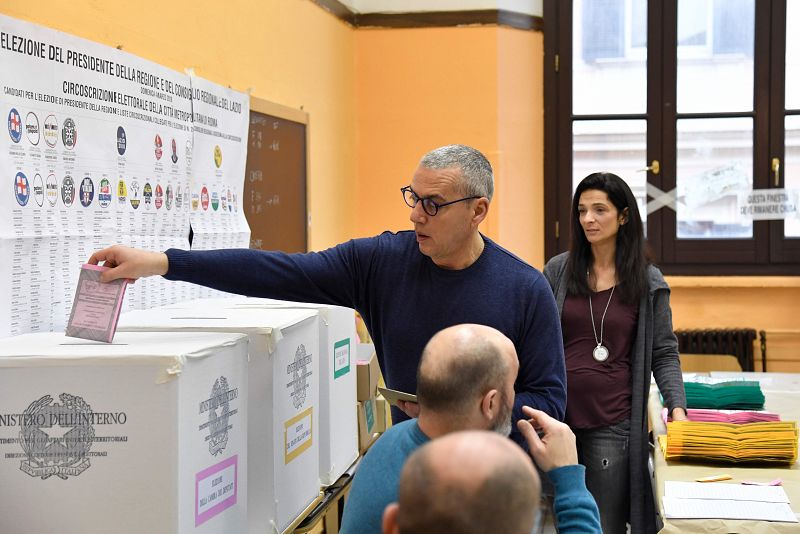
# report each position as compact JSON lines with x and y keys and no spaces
{"x":773,"y":442}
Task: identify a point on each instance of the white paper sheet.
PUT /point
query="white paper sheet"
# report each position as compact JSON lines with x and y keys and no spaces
{"x":675,"y":508}
{"x":722,"y":491}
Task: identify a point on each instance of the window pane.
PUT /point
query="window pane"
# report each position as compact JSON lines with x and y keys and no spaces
{"x":792,"y":56}
{"x":719,"y":77}
{"x":693,"y":23}
{"x":715,"y":162}
{"x":612,"y":146}
{"x":610,"y":62}
{"x":791,"y":173}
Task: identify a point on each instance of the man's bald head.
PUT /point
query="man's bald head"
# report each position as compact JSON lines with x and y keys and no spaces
{"x":460,"y":364}
{"x":468,"y":482}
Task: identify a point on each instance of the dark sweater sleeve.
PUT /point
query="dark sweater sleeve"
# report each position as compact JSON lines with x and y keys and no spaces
{"x":541,"y":382}
{"x":574,"y":507}
{"x":328,"y":277}
{"x":666,"y":363}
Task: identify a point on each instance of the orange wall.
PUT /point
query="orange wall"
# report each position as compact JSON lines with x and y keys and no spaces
{"x":289,"y":52}
{"x":418,"y":89}
{"x":521,"y":140}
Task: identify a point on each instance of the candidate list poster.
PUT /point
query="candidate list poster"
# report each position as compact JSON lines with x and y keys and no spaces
{"x":96,"y":152}
{"x":220,"y":124}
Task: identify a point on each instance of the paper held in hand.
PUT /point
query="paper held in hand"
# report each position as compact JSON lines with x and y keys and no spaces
{"x":392,"y":395}
{"x":96,"y":307}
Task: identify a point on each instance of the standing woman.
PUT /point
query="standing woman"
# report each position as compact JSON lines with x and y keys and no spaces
{"x":617,"y":327}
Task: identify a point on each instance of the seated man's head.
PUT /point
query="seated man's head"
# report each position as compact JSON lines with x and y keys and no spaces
{"x":466,"y":482}
{"x":465,"y":380}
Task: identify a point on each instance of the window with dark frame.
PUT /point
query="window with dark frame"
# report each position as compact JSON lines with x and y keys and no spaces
{"x":693,"y":103}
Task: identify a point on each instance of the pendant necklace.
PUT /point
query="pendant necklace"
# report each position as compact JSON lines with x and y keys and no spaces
{"x":600,"y":352}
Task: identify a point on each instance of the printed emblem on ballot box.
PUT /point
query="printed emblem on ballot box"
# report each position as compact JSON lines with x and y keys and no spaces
{"x":299,"y":372}
{"x":47,"y":453}
{"x":218,"y":407}
{"x":58,"y":438}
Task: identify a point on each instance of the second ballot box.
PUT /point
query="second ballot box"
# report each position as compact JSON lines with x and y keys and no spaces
{"x":337,"y":383}
{"x":283,"y":408}
{"x":146,"y":434}
{"x":338,"y":423}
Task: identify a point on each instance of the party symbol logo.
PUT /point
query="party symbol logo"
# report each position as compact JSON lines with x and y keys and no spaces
{"x":158,"y":144}
{"x":14,"y":125}
{"x":122,"y":140}
{"x":38,"y":190}
{"x":51,"y":131}
{"x":148,"y":195}
{"x":87,"y":191}
{"x":104,"y":193}
{"x":32,"y":128}
{"x":217,"y":156}
{"x":134,"y":194}
{"x":122,"y":192}
{"x":51,"y":189}
{"x":204,"y":198}
{"x":68,"y":191}
{"x":21,"y":189}
{"x":159,"y":196}
{"x":69,"y":134}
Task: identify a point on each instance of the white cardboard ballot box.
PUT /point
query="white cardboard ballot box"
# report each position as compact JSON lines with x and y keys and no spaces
{"x":338,"y":422}
{"x":146,"y":434}
{"x":283,"y":436}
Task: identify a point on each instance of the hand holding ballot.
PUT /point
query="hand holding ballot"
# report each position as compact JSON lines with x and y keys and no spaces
{"x":129,"y":263}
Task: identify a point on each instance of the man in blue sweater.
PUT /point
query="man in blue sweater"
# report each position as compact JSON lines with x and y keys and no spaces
{"x":406,"y":285}
{"x":474,"y":482}
{"x":465,"y":381}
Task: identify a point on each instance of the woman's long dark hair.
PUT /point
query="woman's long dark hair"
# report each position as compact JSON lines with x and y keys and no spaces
{"x":631,"y":258}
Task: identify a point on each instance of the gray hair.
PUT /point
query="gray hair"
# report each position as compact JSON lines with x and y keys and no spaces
{"x":476,"y":171}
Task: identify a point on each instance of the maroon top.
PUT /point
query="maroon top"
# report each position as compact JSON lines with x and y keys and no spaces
{"x":598,"y":393}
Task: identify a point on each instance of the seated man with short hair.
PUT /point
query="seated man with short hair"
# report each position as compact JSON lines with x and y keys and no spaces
{"x":476,"y":482}
{"x":465,"y":380}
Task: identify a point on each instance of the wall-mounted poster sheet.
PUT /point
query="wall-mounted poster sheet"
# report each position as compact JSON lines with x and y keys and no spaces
{"x":97,"y":151}
{"x":221,"y":119}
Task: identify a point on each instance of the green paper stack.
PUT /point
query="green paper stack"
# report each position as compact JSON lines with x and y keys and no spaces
{"x":733,"y":395}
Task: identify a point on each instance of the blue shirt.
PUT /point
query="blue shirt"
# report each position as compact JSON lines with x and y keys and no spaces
{"x":377,"y":478}
{"x":405,"y":298}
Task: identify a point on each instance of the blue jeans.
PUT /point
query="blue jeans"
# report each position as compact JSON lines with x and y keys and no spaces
{"x":605,"y":451}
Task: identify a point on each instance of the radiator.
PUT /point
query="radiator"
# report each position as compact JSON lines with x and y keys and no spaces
{"x":737,"y":342}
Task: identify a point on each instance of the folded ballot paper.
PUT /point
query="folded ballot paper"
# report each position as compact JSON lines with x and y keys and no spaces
{"x":96,"y":307}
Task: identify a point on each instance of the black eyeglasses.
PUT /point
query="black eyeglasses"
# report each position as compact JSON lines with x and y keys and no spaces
{"x":430,"y":206}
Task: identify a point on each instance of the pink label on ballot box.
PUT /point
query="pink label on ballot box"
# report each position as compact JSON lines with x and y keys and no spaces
{"x":215,"y":489}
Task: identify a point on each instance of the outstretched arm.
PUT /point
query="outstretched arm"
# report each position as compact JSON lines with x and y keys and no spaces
{"x":131,"y":263}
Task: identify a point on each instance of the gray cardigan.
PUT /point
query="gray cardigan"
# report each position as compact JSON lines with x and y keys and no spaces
{"x":656,"y":351}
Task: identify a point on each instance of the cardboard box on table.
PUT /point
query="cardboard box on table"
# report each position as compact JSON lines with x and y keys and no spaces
{"x":147,"y":434}
{"x":368,"y":376}
{"x":367,"y":411}
{"x":283,"y":436}
{"x":338,"y":423}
